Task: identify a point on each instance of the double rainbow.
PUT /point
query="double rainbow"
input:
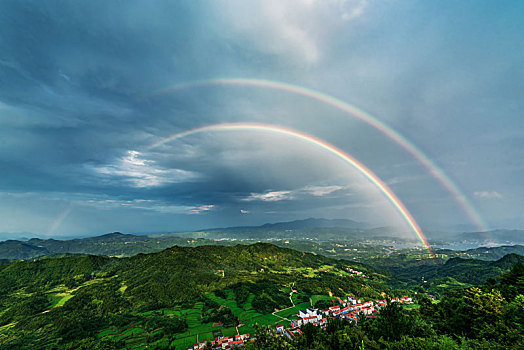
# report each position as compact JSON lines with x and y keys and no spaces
{"x":352,"y":111}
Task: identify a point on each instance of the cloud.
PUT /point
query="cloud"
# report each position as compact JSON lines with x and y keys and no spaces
{"x":202,"y":209}
{"x":271,"y":196}
{"x":140,"y":172}
{"x":297,"y":29}
{"x":102,"y":202}
{"x":487,"y":194}
{"x":301,"y":193}
{"x":158,"y":206}
{"x":320,"y":191}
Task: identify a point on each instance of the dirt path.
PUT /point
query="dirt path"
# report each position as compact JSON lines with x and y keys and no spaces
{"x":292,"y":304}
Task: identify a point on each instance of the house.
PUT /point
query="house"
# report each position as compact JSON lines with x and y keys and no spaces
{"x":297,"y":322}
{"x":381,"y":303}
{"x":334,"y":308}
{"x":342,"y":302}
{"x":406,"y":299}
{"x":292,"y":333}
{"x":237,"y":343}
{"x":311,"y":312}
{"x":199,"y":345}
{"x":280,"y":328}
{"x":367,"y":310}
{"x":310,"y":319}
{"x":367,"y":304}
{"x":353,"y":300}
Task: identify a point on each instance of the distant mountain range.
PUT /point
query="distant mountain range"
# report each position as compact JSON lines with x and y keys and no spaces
{"x":310,"y":223}
{"x":486,"y":253}
{"x":120,"y":244}
{"x":108,"y":244}
{"x":497,"y":236}
{"x":468,"y":271}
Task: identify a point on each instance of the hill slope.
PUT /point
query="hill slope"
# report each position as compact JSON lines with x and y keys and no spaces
{"x":65,"y":302}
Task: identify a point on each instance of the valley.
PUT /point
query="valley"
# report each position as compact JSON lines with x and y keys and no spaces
{"x":187,"y":295}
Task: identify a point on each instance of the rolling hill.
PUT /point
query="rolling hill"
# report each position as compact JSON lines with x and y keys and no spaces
{"x":66,"y":302}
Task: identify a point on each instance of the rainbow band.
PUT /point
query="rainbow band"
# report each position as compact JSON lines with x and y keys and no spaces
{"x":392,"y":134}
{"x":323,"y":145}
{"x":59,"y":220}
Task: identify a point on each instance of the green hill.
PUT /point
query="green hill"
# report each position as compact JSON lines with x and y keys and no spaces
{"x":68,"y":301}
{"x":111,"y":244}
{"x":437,"y":276}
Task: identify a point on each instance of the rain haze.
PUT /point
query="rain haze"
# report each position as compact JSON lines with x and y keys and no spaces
{"x":427,"y":96}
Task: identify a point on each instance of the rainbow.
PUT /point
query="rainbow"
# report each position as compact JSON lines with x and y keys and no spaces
{"x":59,"y":220}
{"x":353,"y":111}
{"x":368,"y":174}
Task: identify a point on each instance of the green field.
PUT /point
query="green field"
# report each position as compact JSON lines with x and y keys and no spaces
{"x":60,"y":299}
{"x":292,"y":311}
{"x":317,"y":297}
{"x":135,"y":337}
{"x":410,"y":306}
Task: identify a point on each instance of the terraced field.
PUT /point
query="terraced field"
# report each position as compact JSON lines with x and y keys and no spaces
{"x":136,"y":337}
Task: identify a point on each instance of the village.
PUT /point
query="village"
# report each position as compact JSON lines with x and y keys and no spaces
{"x":349,"y":309}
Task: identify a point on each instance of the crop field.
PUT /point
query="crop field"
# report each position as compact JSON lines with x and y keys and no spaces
{"x":292,"y":311}
{"x":59,"y":299}
{"x":317,"y":297}
{"x":136,"y":337}
{"x":60,"y":293}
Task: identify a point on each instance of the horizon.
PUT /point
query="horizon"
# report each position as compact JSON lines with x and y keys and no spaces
{"x":24,"y":236}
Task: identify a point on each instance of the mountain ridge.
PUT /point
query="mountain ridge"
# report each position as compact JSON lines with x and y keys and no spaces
{"x":309,"y":223}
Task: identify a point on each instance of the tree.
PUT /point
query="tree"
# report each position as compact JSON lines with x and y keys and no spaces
{"x":391,"y":323}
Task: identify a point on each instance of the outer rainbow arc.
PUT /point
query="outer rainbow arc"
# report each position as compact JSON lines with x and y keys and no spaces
{"x":375,"y":180}
{"x":407,"y":145}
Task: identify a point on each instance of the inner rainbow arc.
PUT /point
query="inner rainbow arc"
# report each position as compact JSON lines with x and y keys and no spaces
{"x":368,"y":174}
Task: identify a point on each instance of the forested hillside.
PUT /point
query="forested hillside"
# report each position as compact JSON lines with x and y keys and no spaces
{"x":66,"y":302}
{"x":486,"y":317}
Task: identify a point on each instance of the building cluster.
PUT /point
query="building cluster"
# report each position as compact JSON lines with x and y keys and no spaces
{"x":349,"y":309}
{"x":355,"y":272}
{"x":224,"y":342}
{"x":314,"y":316}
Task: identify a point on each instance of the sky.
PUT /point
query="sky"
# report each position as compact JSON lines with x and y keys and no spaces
{"x":86,"y":89}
